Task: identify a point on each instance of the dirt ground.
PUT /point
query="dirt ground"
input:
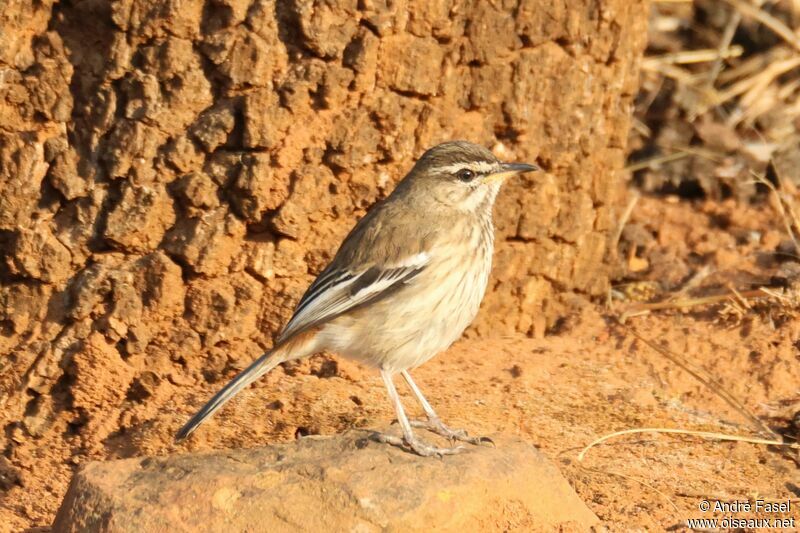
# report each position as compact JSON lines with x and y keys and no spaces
{"x":586,"y":378}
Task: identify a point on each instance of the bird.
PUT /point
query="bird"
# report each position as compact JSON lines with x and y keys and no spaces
{"x":404,"y":284}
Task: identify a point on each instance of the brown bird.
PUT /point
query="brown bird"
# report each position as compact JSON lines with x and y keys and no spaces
{"x":404,"y":284}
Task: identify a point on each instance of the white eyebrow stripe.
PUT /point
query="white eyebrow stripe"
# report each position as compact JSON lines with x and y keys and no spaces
{"x":480,"y":167}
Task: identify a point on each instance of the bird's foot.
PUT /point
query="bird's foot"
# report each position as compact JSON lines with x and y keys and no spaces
{"x":437,"y":426}
{"x":417,"y":446}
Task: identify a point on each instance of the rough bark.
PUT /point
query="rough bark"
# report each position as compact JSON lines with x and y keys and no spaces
{"x":175,"y":172}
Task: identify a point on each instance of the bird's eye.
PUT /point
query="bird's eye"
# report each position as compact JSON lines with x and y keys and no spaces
{"x":465,"y":174}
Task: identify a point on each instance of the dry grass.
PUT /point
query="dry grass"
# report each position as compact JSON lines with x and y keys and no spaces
{"x":732,"y":71}
{"x":722,"y":437}
{"x":751,"y":84}
{"x":711,"y":435}
{"x":720,"y":104}
{"x":707,"y":380}
{"x":764,"y":301}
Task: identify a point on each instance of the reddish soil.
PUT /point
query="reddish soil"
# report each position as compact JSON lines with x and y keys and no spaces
{"x":586,"y":378}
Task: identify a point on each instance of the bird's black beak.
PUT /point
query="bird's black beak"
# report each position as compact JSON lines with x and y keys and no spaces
{"x":519,"y":168}
{"x":507,"y":170}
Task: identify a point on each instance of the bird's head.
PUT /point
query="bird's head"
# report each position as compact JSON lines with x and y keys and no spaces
{"x":463,"y":175}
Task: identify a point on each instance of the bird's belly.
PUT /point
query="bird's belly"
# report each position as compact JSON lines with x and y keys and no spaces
{"x":412,"y":325}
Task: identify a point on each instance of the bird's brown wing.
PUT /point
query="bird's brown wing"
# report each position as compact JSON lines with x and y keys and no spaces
{"x":346,"y":292}
{"x":374,"y":261}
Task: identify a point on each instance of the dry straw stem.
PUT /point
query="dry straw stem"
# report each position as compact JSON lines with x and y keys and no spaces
{"x":693,"y":283}
{"x":725,"y":43}
{"x":774,"y":24}
{"x":706,"y":379}
{"x":685,"y":57}
{"x":709,"y":94}
{"x":754,"y":495}
{"x":696,"y":433}
{"x":755,"y":64}
{"x":758,"y":94}
{"x":641,"y":127}
{"x":654,"y":162}
{"x":677,"y":153}
{"x":752,"y":82}
{"x":753,"y":87}
{"x":784,"y":206}
{"x":783,"y":202}
{"x":626,"y":214}
{"x":676,"y":302}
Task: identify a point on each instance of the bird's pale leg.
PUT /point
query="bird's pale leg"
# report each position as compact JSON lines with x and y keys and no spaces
{"x":434,"y":423}
{"x":409,"y":439}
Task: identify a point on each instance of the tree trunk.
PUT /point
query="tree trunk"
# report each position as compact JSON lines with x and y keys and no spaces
{"x":175,"y":172}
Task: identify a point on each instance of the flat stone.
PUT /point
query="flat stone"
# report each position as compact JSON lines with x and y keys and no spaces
{"x":346,"y":482}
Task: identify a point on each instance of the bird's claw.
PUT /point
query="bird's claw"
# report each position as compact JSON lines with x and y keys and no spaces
{"x":487,"y":440}
{"x":437,"y":426}
{"x":417,"y":446}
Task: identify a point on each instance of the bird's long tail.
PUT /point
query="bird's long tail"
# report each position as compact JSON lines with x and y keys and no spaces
{"x":258,"y":368}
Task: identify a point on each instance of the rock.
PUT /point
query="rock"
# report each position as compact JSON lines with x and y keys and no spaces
{"x":342,"y":483}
